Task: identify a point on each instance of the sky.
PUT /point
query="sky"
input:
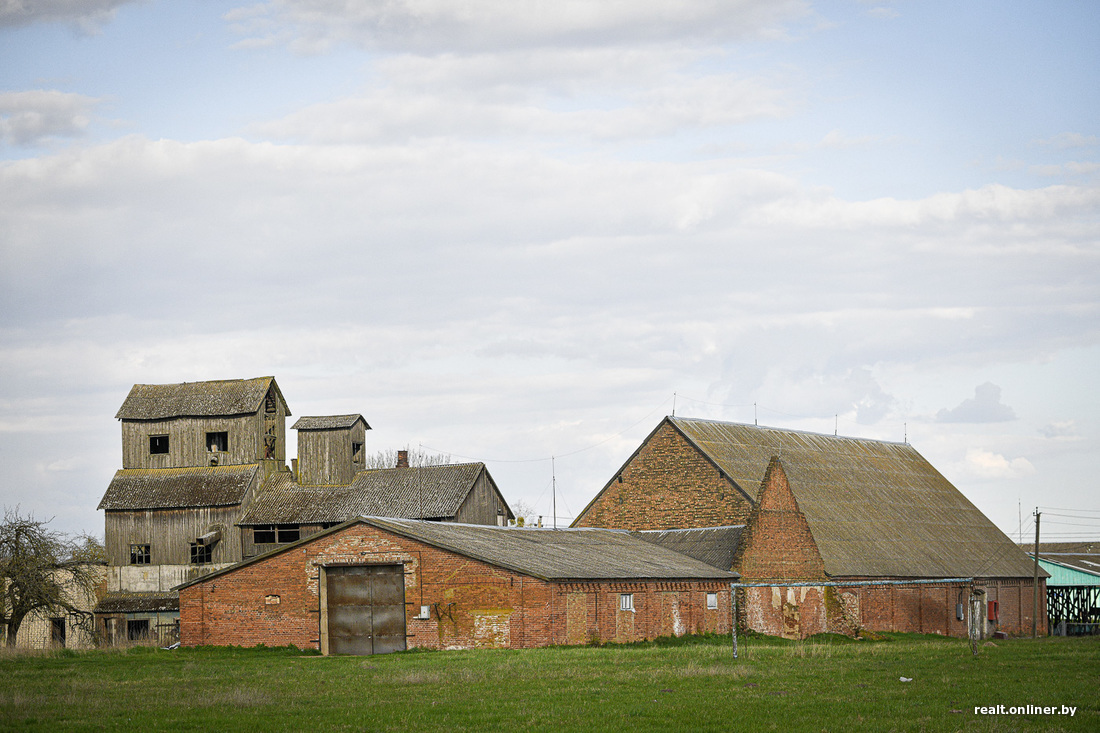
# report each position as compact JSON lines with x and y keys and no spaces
{"x":523,"y":232}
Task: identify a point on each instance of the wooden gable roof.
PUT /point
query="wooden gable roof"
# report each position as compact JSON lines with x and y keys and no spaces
{"x":198,"y":399}
{"x":329,"y":422}
{"x":429,"y":491}
{"x":176,"y":488}
{"x":874,"y":508}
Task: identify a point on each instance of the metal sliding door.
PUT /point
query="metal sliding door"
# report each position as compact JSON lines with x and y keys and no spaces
{"x":366,"y":609}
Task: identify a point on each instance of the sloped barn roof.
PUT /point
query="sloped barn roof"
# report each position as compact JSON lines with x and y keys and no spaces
{"x":549,"y":554}
{"x":176,"y":488}
{"x":713,"y":545}
{"x":428,"y":491}
{"x":874,"y":508}
{"x":328,"y":422}
{"x":558,"y":554}
{"x":197,"y":399}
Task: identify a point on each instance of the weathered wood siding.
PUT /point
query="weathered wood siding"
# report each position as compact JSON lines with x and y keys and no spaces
{"x":325,"y":457}
{"x":482,"y":503}
{"x":170,"y":532}
{"x":187,"y":440}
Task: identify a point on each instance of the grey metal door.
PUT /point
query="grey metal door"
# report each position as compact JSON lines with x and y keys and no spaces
{"x":366,"y":609}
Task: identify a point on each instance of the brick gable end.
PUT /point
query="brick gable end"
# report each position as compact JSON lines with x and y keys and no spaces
{"x":667,"y":484}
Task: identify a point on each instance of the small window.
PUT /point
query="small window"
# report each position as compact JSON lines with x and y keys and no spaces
{"x":201,"y":554}
{"x":217,"y":442}
{"x":137,"y":629}
{"x":356,"y":452}
{"x":139,"y":555}
{"x":626,"y":601}
{"x":269,"y":534}
{"x":158,"y":444}
{"x":712,"y":600}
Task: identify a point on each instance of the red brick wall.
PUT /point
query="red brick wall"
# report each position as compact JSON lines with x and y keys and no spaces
{"x":668,"y":484}
{"x":473,"y":604}
{"x":931,"y":608}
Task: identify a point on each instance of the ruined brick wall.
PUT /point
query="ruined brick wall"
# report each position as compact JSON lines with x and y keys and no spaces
{"x":932,"y":608}
{"x":668,"y":484}
{"x":592,"y":613}
{"x":276,"y":601}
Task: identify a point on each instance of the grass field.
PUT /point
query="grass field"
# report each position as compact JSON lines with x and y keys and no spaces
{"x":832,"y":684}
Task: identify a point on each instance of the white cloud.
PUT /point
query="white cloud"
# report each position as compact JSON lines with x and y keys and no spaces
{"x":434,"y":26}
{"x":28,"y":118}
{"x":985,"y":407}
{"x":986,"y":465}
{"x":1062,"y":429}
{"x":86,"y":15}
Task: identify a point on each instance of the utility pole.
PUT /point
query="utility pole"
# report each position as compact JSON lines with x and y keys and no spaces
{"x":1035,"y":581}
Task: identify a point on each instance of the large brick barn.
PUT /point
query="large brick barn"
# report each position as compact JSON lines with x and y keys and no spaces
{"x":374,"y":585}
{"x":807,"y":507}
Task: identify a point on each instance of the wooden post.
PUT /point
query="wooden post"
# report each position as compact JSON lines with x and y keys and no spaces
{"x":1035,"y":581}
{"x":733,"y":626}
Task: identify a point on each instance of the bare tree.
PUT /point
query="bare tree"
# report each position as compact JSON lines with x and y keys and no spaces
{"x":42,"y":570}
{"x":388,"y":459}
{"x":525,"y":513}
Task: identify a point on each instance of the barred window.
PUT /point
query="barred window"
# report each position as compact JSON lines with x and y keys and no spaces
{"x":626,"y":601}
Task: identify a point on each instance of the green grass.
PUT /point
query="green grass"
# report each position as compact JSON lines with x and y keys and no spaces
{"x":827,"y":683}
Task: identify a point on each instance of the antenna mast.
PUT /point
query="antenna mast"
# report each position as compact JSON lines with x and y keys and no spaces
{"x":554,"y":490}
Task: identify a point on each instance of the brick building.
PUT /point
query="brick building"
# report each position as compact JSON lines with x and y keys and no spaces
{"x":374,"y":585}
{"x":204,"y":484}
{"x":822,"y":508}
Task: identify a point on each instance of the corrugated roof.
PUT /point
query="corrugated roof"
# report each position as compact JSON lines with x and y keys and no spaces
{"x":170,"y":488}
{"x":549,"y":554}
{"x":121,"y":602}
{"x":1080,"y":556}
{"x":429,"y":491}
{"x":558,"y":554}
{"x":197,"y":399}
{"x":713,"y":545}
{"x":328,"y":422}
{"x":874,"y":508}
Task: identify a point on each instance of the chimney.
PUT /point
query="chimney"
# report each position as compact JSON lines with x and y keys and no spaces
{"x":402,"y":459}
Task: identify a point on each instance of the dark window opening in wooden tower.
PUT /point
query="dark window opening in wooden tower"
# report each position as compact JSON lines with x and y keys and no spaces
{"x":201,"y":554}
{"x":158,"y":443}
{"x":217,"y":442}
{"x":356,"y":452}
{"x":139,"y":555}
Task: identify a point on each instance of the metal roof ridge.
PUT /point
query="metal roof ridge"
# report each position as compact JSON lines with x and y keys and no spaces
{"x":788,"y":430}
{"x":693,"y":529}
